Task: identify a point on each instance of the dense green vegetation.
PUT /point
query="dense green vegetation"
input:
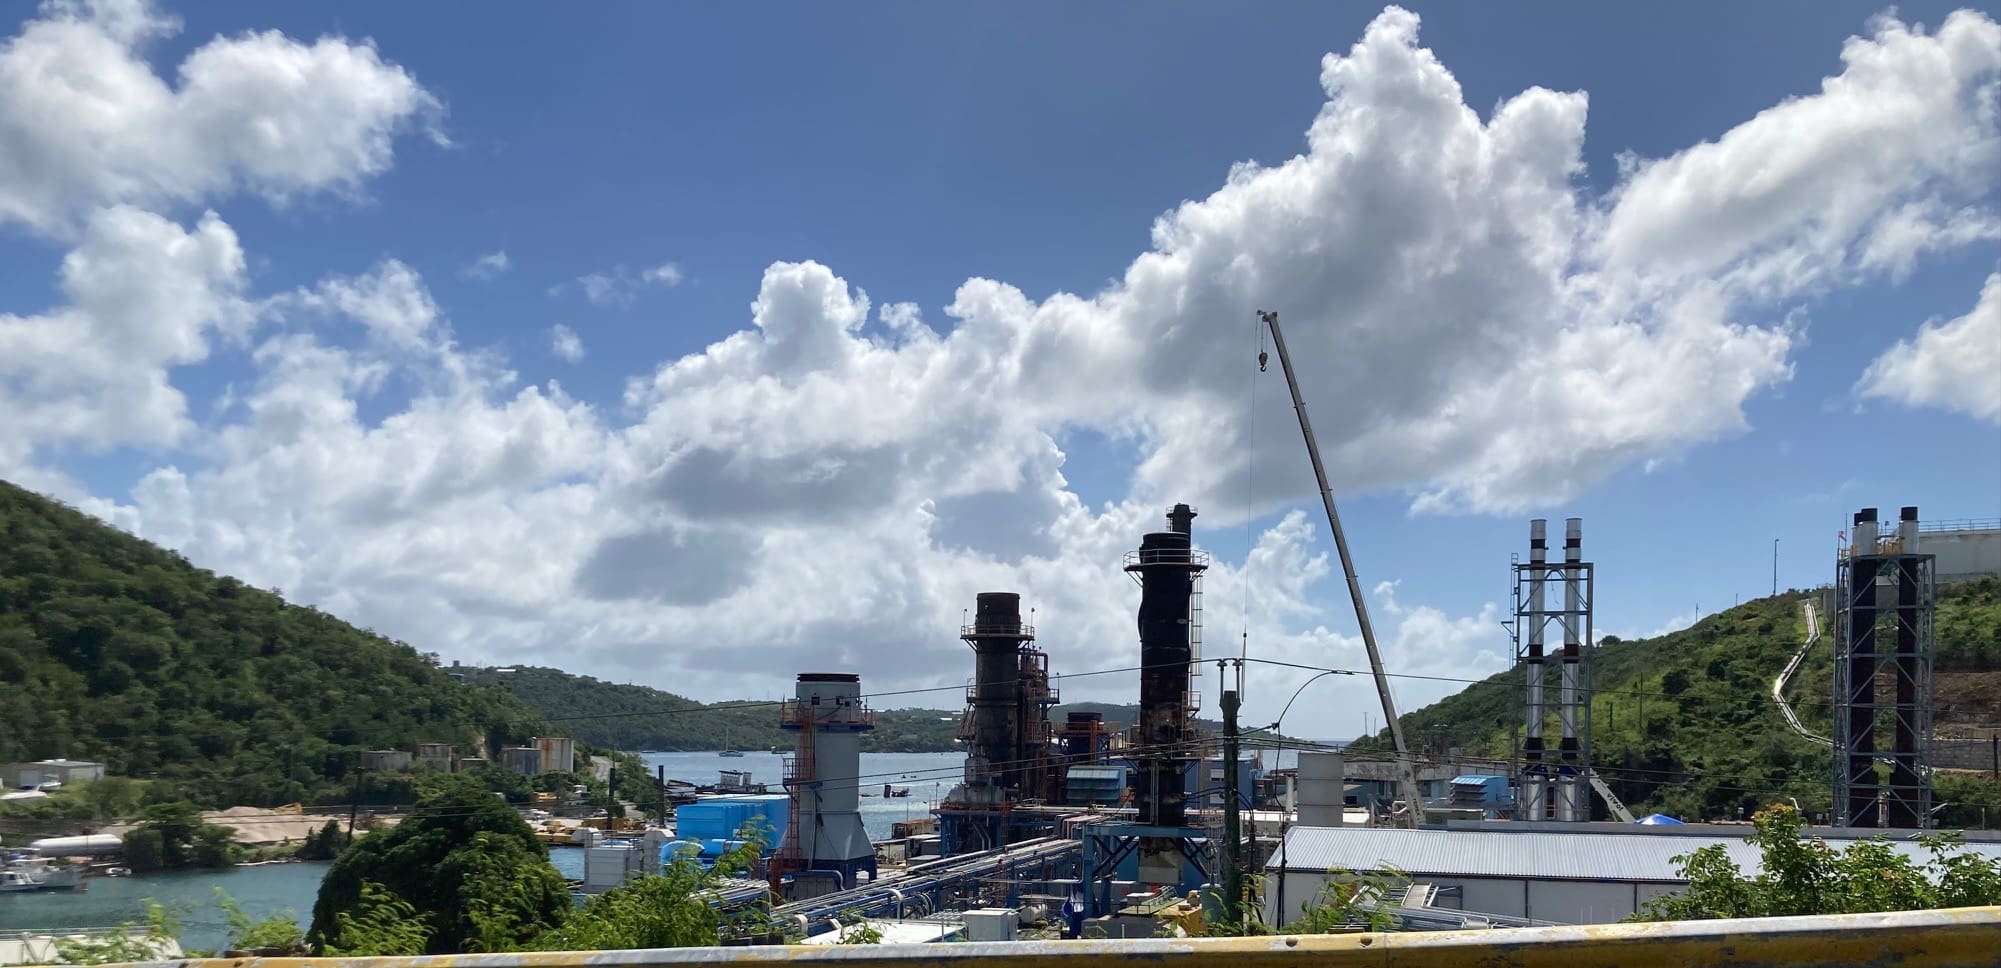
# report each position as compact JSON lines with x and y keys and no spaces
{"x":115,"y":650}
{"x":172,"y":836}
{"x":464,"y":859}
{"x":1683,"y":724}
{"x":1801,"y":876}
{"x":463,"y":873}
{"x":633,"y":717}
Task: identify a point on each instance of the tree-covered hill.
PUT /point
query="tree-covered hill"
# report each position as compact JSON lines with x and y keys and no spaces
{"x":116,"y":650}
{"x":1684,"y":723}
{"x":632,"y":717}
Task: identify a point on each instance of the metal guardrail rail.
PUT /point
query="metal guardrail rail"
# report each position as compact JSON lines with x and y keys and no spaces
{"x":1929,"y":939}
{"x":1961,"y":938}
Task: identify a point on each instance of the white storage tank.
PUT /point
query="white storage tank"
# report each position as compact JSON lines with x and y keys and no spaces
{"x":1322,"y":788}
{"x":611,"y":865}
{"x":85,"y":845}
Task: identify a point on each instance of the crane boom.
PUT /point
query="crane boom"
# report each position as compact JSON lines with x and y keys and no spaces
{"x":1406,"y":770}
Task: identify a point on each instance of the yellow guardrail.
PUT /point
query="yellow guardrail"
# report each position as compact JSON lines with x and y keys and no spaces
{"x":1960,"y":938}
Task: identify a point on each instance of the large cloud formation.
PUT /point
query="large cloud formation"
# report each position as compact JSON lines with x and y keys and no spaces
{"x":831,"y":485}
{"x":1954,"y":365}
{"x":85,"y":121}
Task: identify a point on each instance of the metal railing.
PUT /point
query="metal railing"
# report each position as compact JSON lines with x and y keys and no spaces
{"x":1961,"y":938}
{"x":798,"y":714}
{"x":1167,"y":556}
{"x":1021,"y":630}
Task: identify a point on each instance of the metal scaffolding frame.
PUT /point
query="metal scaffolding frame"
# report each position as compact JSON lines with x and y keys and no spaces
{"x":1883,"y":597}
{"x":1566,"y":770}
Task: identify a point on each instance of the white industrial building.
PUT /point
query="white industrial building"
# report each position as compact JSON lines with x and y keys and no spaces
{"x":30,"y":775}
{"x":1567,"y":873}
{"x":1964,"y":549}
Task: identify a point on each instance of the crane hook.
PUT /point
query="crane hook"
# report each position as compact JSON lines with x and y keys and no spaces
{"x":1262,"y":360}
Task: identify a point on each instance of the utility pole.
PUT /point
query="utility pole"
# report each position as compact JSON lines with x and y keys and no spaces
{"x":1775,"y":566}
{"x":1233,"y":831}
{"x":354,"y":806}
{"x":1406,"y":769}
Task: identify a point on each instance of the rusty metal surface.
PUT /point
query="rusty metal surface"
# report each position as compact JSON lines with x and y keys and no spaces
{"x":1916,"y":939}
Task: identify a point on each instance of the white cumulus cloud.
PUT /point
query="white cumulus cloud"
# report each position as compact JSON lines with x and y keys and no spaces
{"x":488,"y":266}
{"x":564,"y":342}
{"x":620,"y":285}
{"x":834,"y":481}
{"x":85,"y":121}
{"x":1954,"y":365}
{"x":145,"y":296}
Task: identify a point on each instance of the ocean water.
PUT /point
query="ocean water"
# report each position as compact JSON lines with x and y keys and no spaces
{"x":928,"y":777}
{"x":272,"y":888}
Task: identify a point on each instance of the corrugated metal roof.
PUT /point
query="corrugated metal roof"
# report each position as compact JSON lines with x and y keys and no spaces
{"x":1610,"y":856}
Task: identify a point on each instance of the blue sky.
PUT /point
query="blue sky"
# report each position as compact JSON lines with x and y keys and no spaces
{"x":911,"y":148}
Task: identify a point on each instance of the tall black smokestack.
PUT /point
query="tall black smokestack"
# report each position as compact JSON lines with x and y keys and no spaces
{"x":996,"y":636}
{"x":1166,"y":564}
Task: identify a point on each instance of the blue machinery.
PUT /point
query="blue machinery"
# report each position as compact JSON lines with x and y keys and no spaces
{"x":1114,"y":851}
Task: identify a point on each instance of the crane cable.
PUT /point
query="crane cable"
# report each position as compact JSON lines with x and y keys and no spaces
{"x":1250,"y":485}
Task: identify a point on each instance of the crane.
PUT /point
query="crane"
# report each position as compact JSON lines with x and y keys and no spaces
{"x":1406,"y":769}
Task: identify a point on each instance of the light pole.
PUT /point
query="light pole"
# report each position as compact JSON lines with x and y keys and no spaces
{"x":1285,"y":816}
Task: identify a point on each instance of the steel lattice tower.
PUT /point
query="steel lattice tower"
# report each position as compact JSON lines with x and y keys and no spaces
{"x":1885,"y":595}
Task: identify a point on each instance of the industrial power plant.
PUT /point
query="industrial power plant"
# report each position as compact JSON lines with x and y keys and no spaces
{"x":1085,"y":827}
{"x":1082,"y":828}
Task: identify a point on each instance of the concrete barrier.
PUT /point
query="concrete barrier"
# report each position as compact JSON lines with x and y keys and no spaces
{"x":1960,"y":938}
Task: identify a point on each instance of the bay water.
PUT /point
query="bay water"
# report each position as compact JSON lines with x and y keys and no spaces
{"x":268,"y":889}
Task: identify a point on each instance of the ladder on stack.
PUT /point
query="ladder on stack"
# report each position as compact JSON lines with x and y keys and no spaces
{"x":798,"y":777}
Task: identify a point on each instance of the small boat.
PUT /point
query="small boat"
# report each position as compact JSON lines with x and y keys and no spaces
{"x":730,"y":753}
{"x":22,"y":874}
{"x":119,"y":872}
{"x":729,"y":748}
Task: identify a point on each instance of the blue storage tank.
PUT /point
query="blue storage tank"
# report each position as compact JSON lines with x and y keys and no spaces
{"x":716,"y":822}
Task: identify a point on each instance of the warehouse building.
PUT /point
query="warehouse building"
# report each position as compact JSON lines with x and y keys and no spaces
{"x":1565,"y":873}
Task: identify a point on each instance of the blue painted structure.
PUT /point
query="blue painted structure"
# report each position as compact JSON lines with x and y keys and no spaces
{"x":1205,"y":780}
{"x":1112,"y":852}
{"x":716,"y":823}
{"x":1095,"y":784}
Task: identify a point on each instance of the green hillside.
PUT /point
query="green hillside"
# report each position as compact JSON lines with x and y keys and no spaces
{"x":632,"y":717}
{"x":113,"y":649}
{"x":1684,"y":724}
